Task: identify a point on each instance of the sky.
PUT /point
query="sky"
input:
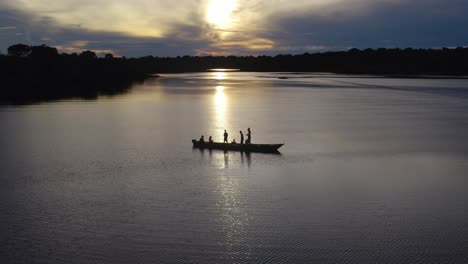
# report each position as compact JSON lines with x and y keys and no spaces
{"x":232,"y":27}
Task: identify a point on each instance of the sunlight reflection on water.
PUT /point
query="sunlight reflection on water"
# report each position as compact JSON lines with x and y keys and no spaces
{"x":220,"y":105}
{"x":219,"y":75}
{"x":235,"y":216}
{"x":373,"y":171}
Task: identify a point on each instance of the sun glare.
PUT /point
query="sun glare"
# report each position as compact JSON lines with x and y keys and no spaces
{"x":219,"y":12}
{"x":219,"y":75}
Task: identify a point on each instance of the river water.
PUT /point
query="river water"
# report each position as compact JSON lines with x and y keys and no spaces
{"x":373,"y":170}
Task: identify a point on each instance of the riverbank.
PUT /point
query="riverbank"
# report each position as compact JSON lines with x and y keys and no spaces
{"x":39,"y":73}
{"x":29,"y":80}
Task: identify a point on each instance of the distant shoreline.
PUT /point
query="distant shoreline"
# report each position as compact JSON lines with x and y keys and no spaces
{"x":39,"y":73}
{"x":370,"y":76}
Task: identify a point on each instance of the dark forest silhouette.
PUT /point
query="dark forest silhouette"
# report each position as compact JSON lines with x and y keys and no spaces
{"x":37,"y":73}
{"x":369,"y":61}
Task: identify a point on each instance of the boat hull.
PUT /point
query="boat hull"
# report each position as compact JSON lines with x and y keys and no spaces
{"x":261,"y":148}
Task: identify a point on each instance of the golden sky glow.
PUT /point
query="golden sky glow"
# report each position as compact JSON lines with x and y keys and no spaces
{"x":225,"y":27}
{"x":220,"y":13}
{"x":149,"y":18}
{"x":224,"y":24}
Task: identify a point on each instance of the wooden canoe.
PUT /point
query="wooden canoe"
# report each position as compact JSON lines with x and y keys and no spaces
{"x":262,"y":148}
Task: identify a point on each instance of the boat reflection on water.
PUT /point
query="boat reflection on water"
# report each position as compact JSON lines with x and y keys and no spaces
{"x":222,"y":156}
{"x":248,"y":157}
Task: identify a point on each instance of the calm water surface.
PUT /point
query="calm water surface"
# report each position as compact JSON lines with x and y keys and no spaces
{"x":374,"y":170}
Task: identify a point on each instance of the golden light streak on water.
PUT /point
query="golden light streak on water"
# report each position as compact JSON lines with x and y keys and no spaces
{"x":220,"y":106}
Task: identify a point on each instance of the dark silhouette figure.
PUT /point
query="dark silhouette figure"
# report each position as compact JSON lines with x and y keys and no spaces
{"x":233,"y":141}
{"x":241,"y":137}
{"x":210,"y":139}
{"x":225,"y":137}
{"x":249,"y":136}
{"x":202,"y":139}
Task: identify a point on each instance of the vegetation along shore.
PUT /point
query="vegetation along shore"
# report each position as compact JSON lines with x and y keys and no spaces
{"x":40,"y":73}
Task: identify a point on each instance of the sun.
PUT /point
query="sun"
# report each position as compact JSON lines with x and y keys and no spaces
{"x":219,"y":12}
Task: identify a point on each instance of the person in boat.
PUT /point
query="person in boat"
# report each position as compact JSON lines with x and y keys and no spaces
{"x":241,"y":137}
{"x":233,"y":141}
{"x":202,"y":139}
{"x":249,"y":136}
{"x":225,"y":136}
{"x":210,"y":139}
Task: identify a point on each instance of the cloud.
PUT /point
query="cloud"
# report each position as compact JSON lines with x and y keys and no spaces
{"x":168,"y":28}
{"x":142,"y":18}
{"x":377,"y":24}
{"x":36,"y":31}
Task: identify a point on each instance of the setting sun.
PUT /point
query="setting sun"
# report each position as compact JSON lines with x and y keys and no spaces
{"x":219,"y":13}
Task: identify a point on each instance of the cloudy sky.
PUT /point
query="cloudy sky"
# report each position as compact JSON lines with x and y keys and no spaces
{"x":238,"y":27}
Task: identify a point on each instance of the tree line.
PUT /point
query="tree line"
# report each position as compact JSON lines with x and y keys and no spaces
{"x":369,"y":61}
{"x":37,"y":73}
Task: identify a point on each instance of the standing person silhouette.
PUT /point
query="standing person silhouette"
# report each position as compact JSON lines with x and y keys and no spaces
{"x":225,"y":136}
{"x":249,"y":136}
{"x":242,"y":137}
